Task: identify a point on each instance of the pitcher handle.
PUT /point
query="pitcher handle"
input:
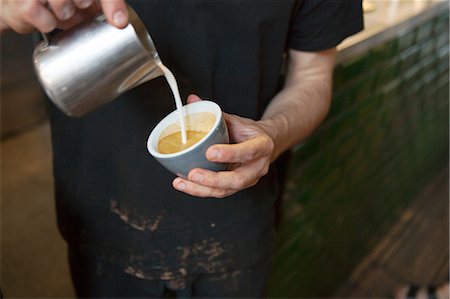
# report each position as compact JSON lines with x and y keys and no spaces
{"x":45,"y":38}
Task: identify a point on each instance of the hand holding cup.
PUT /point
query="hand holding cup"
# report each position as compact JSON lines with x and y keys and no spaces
{"x":250,"y":157}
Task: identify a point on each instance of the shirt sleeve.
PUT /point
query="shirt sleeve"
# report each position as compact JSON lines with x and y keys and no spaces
{"x":323,"y":24}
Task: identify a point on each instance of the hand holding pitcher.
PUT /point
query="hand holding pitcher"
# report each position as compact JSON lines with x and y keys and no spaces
{"x":25,"y":16}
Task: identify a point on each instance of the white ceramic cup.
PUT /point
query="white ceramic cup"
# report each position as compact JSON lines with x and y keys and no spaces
{"x":180,"y":163}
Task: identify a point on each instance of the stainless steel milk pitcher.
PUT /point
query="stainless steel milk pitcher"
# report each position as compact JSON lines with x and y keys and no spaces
{"x":94,"y":62}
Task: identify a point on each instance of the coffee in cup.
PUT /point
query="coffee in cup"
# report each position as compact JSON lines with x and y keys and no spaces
{"x":197,"y":126}
{"x":206,"y":120}
{"x":172,"y":143}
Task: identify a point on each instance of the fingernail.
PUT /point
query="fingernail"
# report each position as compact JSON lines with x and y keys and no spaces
{"x":67,"y":12}
{"x":119,"y":18}
{"x":197,"y":177}
{"x":214,"y":154}
{"x":85,"y":3}
{"x":181,"y":186}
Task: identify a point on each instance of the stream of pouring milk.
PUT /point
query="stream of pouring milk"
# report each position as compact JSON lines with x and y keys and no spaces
{"x":176,"y":93}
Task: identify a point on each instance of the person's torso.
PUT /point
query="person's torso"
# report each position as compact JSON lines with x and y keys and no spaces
{"x":110,"y":190}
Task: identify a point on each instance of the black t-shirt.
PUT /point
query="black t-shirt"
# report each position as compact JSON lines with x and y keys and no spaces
{"x":113,"y":198}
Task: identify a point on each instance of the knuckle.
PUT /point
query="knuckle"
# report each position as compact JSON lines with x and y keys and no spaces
{"x":269,"y":145}
{"x":265,"y":169}
{"x":253,"y":183}
{"x":21,"y":28}
{"x":239,"y":182}
{"x":227,"y":155}
{"x":47,"y":29}
{"x":251,"y":154}
{"x":213,"y":180}
{"x":222,"y":194}
{"x":198,"y":193}
{"x":30,"y":9}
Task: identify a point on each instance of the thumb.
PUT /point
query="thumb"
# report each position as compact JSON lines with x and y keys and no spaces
{"x":116,"y":12}
{"x":193,"y":98}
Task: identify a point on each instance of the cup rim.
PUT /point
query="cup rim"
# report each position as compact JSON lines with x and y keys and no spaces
{"x":157,"y":130}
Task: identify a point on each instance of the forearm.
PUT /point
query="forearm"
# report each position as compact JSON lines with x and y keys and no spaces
{"x":304,"y":101}
{"x":291,"y":116}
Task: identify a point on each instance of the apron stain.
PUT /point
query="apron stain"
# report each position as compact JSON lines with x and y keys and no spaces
{"x":140,"y":224}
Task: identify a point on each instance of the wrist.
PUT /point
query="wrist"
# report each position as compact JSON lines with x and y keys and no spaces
{"x":272,"y":129}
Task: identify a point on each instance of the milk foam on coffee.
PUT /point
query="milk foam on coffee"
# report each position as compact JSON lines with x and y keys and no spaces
{"x":176,"y":93}
{"x":197,"y":125}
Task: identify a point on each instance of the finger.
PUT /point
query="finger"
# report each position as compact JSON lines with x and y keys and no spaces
{"x":231,"y":119}
{"x":79,"y":16}
{"x":116,"y":12}
{"x":199,"y":190}
{"x":63,"y":9}
{"x":243,"y":177}
{"x":83,"y":3}
{"x":248,"y":150}
{"x":234,"y":119}
{"x":18,"y":26}
{"x":193,"y":98}
{"x":38,"y":16}
{"x":236,"y":127}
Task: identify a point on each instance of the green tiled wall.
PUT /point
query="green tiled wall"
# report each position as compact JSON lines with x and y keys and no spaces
{"x":385,"y":136}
